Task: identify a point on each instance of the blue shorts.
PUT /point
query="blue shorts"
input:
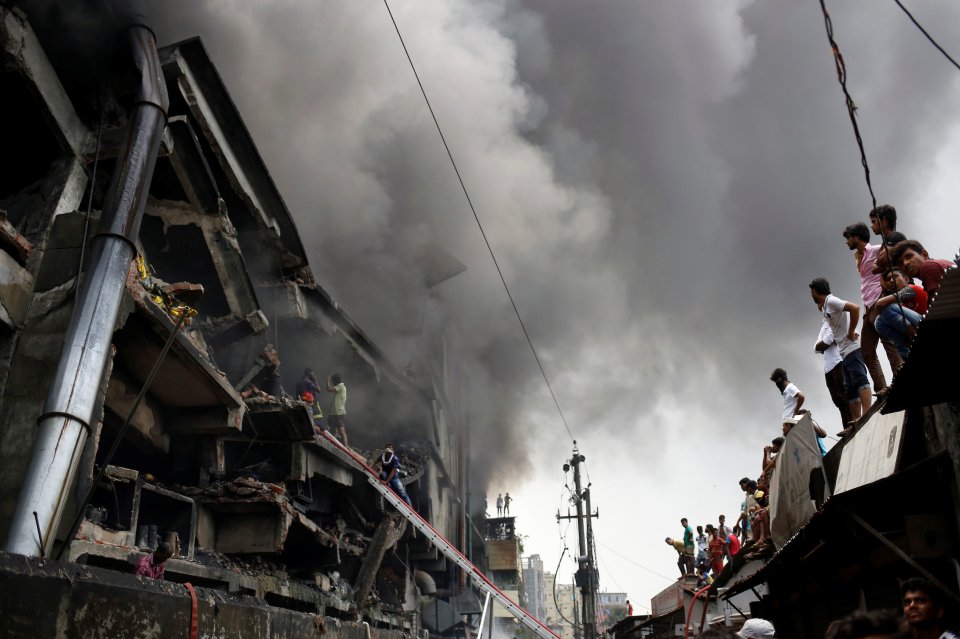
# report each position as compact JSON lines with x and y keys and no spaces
{"x":854,"y":375}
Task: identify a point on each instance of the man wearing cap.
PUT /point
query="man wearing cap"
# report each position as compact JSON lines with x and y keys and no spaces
{"x":389,"y":467}
{"x":757,"y":629}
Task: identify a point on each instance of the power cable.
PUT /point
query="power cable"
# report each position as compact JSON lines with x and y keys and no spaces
{"x":852,"y":112}
{"x":929,"y":37}
{"x":93,"y":185}
{"x":641,"y":566}
{"x":556,"y":574}
{"x":473,"y":209}
{"x":851,"y":107}
{"x":615,"y":582}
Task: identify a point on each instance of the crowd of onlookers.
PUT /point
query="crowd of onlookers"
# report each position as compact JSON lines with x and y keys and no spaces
{"x":706,"y":553}
{"x":893,"y":306}
{"x":898,"y":279}
{"x":923,"y":614}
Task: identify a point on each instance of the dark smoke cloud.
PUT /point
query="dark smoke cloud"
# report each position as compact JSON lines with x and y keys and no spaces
{"x":660,"y":181}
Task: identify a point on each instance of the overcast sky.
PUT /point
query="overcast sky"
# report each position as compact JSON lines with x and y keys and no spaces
{"x":660,"y":182}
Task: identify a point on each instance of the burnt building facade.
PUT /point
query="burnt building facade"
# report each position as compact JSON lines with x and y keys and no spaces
{"x":157,"y":402}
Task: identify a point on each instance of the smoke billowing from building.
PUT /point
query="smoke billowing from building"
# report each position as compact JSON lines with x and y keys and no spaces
{"x":647,"y":174}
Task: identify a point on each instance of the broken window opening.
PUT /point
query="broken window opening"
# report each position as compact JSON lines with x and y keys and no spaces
{"x":111,"y":503}
{"x":264,"y":461}
{"x":173,"y":515}
{"x":180,"y":254}
{"x":131,"y":453}
{"x":30,"y":144}
{"x":165,"y":184}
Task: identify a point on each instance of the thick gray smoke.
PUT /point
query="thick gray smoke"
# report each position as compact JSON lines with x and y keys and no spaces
{"x":659,"y":180}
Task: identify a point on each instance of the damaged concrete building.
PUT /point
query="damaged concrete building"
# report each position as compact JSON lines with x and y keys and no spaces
{"x":175,"y":421}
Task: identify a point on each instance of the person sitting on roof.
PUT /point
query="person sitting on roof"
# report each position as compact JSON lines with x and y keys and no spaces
{"x":389,"y":472}
{"x":913,"y":259}
{"x":902,"y":310}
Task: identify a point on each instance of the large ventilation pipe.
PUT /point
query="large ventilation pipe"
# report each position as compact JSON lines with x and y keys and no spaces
{"x":65,"y":424}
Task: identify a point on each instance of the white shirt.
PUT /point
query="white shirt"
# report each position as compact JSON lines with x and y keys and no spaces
{"x":839,"y":323}
{"x":790,"y":393}
{"x":831,"y":356}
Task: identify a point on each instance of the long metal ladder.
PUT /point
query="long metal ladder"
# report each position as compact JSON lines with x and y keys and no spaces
{"x":449,"y":551}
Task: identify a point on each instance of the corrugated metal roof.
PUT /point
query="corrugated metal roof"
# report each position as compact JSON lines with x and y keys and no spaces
{"x":928,"y":375}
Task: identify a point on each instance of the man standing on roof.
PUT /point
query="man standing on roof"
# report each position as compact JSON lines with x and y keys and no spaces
{"x":833,"y":370}
{"x":842,"y":317}
{"x":857,"y":237}
{"x":689,"y":550}
{"x":335,"y":385}
{"x":506,"y":504}
{"x":913,"y":259}
{"x":677,"y":545}
{"x":792,"y":396}
{"x":500,"y":505}
{"x":883,"y":222}
{"x":389,"y":472}
{"x":716,"y":549}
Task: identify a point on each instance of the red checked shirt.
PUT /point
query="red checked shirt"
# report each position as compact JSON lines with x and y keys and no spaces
{"x":146,"y":568}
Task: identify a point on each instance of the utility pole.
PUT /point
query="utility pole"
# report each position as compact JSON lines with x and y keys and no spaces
{"x":586,"y":578}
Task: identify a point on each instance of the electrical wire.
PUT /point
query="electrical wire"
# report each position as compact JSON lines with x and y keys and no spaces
{"x":476,"y":217}
{"x":641,"y":566}
{"x":851,"y":107}
{"x":93,"y":185}
{"x":556,"y":574}
{"x":615,"y":582}
{"x":929,"y":37}
{"x":841,"y":68}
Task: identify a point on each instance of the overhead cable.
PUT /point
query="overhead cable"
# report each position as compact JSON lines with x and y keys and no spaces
{"x":929,"y":37}
{"x":625,"y":558}
{"x":852,"y":111}
{"x":473,"y":209}
{"x":851,"y":107}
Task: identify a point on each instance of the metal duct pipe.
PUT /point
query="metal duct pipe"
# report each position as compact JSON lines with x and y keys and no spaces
{"x":65,"y":423}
